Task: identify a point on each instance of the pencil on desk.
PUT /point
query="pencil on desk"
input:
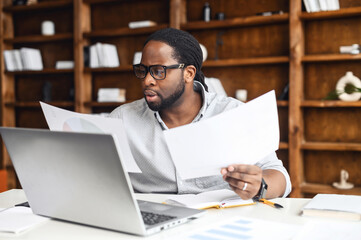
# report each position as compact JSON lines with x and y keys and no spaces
{"x":276,"y":205}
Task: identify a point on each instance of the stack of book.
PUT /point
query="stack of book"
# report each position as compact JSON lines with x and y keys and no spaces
{"x":23,"y":59}
{"x":321,"y":5}
{"x":103,"y":55}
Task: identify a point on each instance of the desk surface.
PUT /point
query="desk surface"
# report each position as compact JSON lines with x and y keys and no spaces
{"x":54,"y":229}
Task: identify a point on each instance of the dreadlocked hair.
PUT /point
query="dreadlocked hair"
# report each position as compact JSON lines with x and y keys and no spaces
{"x":186,"y":49}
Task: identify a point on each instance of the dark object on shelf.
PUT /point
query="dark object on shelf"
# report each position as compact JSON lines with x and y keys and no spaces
{"x":71,"y":94}
{"x":220,"y":16}
{"x":19,"y":2}
{"x":86,"y":50}
{"x":219,"y":42}
{"x":269,"y":13}
{"x":285,"y":93}
{"x":47,"y":92}
{"x":206,"y":12}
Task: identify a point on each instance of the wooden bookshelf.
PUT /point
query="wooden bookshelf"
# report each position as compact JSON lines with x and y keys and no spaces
{"x":245,"y":51}
{"x":323,"y":133}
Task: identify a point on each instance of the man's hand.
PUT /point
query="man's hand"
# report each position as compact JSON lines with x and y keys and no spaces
{"x":245,"y":180}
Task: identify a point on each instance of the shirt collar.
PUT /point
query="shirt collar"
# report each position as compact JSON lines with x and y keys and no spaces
{"x":198,"y":87}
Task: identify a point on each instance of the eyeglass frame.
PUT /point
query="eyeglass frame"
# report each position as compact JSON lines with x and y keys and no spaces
{"x":147,"y":68}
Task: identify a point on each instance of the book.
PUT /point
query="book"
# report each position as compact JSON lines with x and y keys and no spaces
{"x":333,"y":5}
{"x":323,"y":5}
{"x":9,"y":60}
{"x":339,"y":206}
{"x":314,"y":5}
{"x":307,"y":5}
{"x":31,"y":59}
{"x":103,"y":55}
{"x":223,"y":198}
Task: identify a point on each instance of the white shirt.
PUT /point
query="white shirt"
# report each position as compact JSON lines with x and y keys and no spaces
{"x":144,"y":129}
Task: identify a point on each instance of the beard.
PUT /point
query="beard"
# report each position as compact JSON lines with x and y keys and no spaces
{"x":166,"y":103}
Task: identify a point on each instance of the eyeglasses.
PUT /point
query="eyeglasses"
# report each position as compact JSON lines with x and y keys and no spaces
{"x":158,"y":72}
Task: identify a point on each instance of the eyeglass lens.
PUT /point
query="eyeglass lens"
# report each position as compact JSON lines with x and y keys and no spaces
{"x":158,"y":72}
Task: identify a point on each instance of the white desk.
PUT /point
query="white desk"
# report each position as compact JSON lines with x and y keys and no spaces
{"x":54,"y":229}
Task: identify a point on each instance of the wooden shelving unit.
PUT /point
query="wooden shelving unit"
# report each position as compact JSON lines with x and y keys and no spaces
{"x":323,"y":134}
{"x":245,"y":51}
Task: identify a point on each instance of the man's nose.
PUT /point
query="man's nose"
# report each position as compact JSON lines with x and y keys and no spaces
{"x":149,"y":80}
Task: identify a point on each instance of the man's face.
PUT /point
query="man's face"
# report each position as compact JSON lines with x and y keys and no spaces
{"x":166,"y":93}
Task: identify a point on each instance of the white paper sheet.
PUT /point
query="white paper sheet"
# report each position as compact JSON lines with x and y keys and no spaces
{"x":326,"y":230}
{"x":244,"y":135}
{"x":246,"y":228}
{"x":18,"y":219}
{"x":63,"y":120}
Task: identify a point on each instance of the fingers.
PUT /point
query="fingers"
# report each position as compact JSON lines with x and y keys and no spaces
{"x":243,"y":194}
{"x":239,"y":175}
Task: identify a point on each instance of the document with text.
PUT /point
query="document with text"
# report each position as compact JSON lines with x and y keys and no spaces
{"x":63,"y":120}
{"x":243,"y":135}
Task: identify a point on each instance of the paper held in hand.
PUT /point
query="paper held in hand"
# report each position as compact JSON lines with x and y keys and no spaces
{"x":223,"y":198}
{"x":63,"y":120}
{"x":243,"y":135}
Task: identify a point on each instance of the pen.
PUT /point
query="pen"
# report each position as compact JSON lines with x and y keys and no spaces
{"x":276,"y":205}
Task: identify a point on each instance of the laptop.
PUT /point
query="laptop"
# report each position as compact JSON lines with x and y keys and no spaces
{"x":79,"y":177}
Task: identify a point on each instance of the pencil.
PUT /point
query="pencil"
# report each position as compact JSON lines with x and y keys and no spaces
{"x":276,"y":205}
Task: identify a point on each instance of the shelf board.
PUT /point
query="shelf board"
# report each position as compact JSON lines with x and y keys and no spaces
{"x":39,"y":6}
{"x":331,"y":146}
{"x":282,"y":103}
{"x":44,"y":71}
{"x":323,"y":188}
{"x":105,"y":104}
{"x":235,"y":22}
{"x":330,"y":57}
{"x":329,"y":103}
{"x":123,"y":31}
{"x":40,"y":38}
{"x":99,"y":1}
{"x":36,"y":104}
{"x":246,"y":61}
{"x":125,"y":68}
{"x":342,"y":13}
{"x":283,"y":145}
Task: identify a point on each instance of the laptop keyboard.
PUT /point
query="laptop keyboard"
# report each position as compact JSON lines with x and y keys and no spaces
{"x":150,"y":218}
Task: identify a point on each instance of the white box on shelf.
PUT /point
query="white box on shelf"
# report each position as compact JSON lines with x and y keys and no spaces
{"x":64,"y":64}
{"x":111,"y":95}
{"x":141,"y":24}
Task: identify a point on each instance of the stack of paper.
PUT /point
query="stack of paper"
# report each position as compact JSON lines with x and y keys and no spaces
{"x":334,"y":206}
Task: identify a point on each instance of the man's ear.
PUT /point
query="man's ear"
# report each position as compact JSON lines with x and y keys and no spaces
{"x":189,"y":73}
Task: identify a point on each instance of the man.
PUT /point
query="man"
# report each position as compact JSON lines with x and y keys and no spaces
{"x":174,"y":95}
